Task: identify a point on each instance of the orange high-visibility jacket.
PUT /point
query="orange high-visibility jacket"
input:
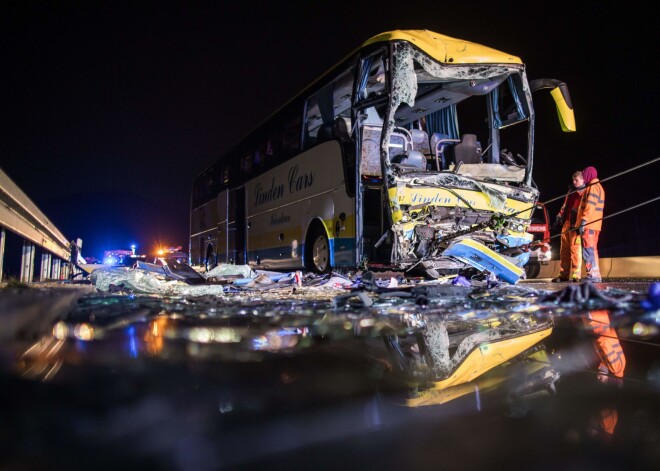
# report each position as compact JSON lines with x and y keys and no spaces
{"x":607,"y":342}
{"x":570,"y":208}
{"x":592,"y":204}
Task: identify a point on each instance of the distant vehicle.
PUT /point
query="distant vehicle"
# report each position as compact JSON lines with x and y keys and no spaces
{"x":129,"y":260}
{"x":171,"y":253}
{"x":113,"y":257}
{"x":413,"y":145}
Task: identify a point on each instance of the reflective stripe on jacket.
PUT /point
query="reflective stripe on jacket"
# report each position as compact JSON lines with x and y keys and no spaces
{"x":592,"y":204}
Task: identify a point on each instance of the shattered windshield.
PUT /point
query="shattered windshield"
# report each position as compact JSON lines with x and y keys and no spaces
{"x":469,"y":119}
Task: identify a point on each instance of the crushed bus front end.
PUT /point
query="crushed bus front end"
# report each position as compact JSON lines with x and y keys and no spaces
{"x":432,"y":213}
{"x":455,"y":153}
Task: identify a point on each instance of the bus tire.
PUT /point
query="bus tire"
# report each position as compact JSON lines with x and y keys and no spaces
{"x":532,"y":269}
{"x":317,"y":258}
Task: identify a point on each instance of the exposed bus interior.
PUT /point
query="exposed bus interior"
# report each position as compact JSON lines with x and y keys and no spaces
{"x":458,"y":151}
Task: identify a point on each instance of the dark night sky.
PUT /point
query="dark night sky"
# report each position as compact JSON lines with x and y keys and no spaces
{"x":109,"y":109}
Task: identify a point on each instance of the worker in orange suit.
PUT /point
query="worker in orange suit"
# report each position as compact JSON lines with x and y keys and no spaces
{"x":612,"y":361}
{"x":607,"y":345}
{"x":570,"y":253}
{"x":590,"y":215}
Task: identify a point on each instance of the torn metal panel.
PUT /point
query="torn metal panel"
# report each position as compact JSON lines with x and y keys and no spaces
{"x":483,"y":258}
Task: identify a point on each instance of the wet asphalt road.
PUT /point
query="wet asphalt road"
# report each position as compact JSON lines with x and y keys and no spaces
{"x":165,"y":384}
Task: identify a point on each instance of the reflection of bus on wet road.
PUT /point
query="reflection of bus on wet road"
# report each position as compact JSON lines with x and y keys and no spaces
{"x":412,"y":143}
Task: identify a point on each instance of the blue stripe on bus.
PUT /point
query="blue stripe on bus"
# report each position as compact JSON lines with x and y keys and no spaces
{"x":342,"y":251}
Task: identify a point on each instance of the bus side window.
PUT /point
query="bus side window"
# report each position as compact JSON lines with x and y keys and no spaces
{"x":312,"y":123}
{"x":246,"y":165}
{"x":225,"y":175}
{"x":291,"y":134}
{"x":260,"y":154}
{"x":274,"y":146}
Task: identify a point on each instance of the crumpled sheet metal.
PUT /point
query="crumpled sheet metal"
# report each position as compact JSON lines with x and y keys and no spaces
{"x":142,"y":281}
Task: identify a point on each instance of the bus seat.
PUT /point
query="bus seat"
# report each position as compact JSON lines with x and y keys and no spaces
{"x":342,"y":128}
{"x":467,"y":151}
{"x":415,"y":160}
{"x":420,"y":141}
{"x":442,"y":147}
{"x":324,"y":133}
{"x":372,"y":117}
{"x":436,"y":137}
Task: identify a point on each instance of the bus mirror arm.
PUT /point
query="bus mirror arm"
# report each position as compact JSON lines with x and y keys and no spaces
{"x":559,"y":92}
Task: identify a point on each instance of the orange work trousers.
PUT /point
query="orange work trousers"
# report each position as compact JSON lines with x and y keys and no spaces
{"x":606,"y":343}
{"x":570,"y":253}
{"x":590,"y":252}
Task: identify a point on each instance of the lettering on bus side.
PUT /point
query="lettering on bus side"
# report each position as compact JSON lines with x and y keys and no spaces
{"x":417,"y":198}
{"x":509,"y":209}
{"x":281,"y":218}
{"x":263,"y":196}
{"x":297,"y":181}
{"x":437,"y":199}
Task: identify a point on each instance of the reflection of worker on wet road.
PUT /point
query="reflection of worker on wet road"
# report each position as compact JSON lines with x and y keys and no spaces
{"x":612,"y":363}
{"x":607,"y":420}
{"x":607,"y":345}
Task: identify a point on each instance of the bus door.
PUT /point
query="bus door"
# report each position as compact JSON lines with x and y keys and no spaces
{"x":370,"y":101}
{"x":376,"y":238}
{"x":236,"y":239}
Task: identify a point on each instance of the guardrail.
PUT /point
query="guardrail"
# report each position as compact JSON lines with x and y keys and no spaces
{"x":20,"y":215}
{"x":618,"y":267}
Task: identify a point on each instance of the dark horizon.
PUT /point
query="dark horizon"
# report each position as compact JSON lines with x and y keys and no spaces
{"x":111,"y":109}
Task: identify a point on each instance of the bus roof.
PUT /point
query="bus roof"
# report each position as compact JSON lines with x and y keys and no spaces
{"x":446,"y":49}
{"x":442,"y":48}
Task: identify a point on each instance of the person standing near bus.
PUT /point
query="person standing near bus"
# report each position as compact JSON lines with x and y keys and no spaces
{"x":570,"y":252}
{"x":590,"y":216}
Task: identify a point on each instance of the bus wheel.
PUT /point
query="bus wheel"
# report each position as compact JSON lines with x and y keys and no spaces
{"x":318,"y":253}
{"x":532,"y":269}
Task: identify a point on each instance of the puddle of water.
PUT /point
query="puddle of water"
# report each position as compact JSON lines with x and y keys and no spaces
{"x":273,"y":377}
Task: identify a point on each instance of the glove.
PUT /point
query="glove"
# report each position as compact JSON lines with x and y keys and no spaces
{"x":583,"y":223}
{"x":558,"y":223}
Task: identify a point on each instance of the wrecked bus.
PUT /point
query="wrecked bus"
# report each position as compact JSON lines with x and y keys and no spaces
{"x":414,"y":152}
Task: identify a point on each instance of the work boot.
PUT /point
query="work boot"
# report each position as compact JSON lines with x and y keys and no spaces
{"x":560,"y":279}
{"x":575,"y":280}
